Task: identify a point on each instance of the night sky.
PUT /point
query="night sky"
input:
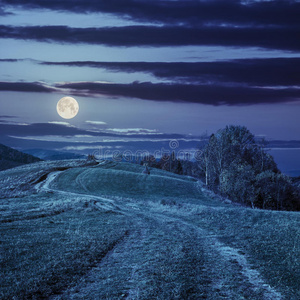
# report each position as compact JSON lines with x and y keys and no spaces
{"x":147,"y":70}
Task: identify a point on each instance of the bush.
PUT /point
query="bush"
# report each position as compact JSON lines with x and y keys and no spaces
{"x":275,"y":191}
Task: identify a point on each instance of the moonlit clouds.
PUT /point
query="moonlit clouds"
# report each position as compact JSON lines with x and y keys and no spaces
{"x":60,"y":123}
{"x":147,"y":68}
{"x":96,"y":122}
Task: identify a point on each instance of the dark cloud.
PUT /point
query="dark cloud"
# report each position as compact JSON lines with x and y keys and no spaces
{"x":176,"y":92}
{"x":192,"y":12}
{"x":7,"y":117}
{"x":10,"y":60}
{"x":25,"y":87}
{"x":154,"y":36}
{"x":257,"y":72}
{"x":271,"y":71}
{"x":39,"y":129}
{"x":204,"y":94}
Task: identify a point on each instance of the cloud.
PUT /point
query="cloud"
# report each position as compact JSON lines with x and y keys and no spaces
{"x":7,"y":117}
{"x":13,"y":123}
{"x":61,"y":123}
{"x":25,"y":87}
{"x":193,"y":93}
{"x":39,"y":129}
{"x":87,"y":147}
{"x":133,"y":131}
{"x":192,"y":12}
{"x":211,"y":94}
{"x":53,"y":136}
{"x":160,"y":36}
{"x":269,"y":71}
{"x":96,"y":122}
{"x":10,"y":60}
{"x":53,"y":130}
{"x":3,"y":12}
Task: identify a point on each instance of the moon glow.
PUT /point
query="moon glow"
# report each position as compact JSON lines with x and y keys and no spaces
{"x":67,"y":107}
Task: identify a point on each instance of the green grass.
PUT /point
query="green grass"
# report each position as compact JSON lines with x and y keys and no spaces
{"x":270,"y":239}
{"x":126,"y":180}
{"x":43,"y":254}
{"x":20,"y":181}
{"x":50,"y":242}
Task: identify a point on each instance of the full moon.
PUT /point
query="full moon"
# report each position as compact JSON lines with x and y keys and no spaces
{"x":67,"y":107}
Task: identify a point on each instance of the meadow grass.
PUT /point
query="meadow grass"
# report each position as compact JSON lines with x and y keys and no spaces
{"x":127,"y":180}
{"x":269,"y":239}
{"x":21,"y":181}
{"x":44,"y":253}
{"x":51,"y":241}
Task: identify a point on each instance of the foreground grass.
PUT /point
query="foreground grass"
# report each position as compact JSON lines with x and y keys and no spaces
{"x":59,"y":244}
{"x":269,"y":239}
{"x":43,"y":253}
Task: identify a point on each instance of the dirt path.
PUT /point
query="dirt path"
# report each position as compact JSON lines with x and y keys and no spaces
{"x":166,"y":257}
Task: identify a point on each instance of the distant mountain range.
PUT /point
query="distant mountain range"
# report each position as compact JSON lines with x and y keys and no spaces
{"x":10,"y":158}
{"x":283,"y":144}
{"x":45,"y":154}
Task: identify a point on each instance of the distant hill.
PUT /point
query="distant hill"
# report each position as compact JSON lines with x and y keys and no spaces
{"x":10,"y":158}
{"x":45,"y":154}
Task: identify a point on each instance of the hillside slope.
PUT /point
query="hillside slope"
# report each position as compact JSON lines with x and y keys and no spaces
{"x":10,"y":158}
{"x":107,"y":231}
{"x":125,"y":180}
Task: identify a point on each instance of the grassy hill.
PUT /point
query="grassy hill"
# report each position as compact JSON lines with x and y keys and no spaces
{"x":10,"y":158}
{"x":126,"y":180}
{"x":107,"y":231}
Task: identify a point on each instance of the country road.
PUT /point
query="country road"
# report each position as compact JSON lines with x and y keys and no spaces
{"x":164,"y":255}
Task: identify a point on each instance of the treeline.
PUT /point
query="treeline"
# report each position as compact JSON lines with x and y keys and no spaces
{"x":233,"y":164}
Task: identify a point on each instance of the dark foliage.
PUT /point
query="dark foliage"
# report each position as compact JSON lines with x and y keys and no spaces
{"x":235,"y":165}
{"x":150,"y":161}
{"x":170,"y":163}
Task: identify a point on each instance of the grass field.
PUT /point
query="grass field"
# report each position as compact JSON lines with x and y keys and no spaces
{"x":108,"y":231}
{"x":126,"y":180}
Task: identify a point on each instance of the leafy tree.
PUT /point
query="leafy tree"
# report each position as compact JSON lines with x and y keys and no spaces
{"x":237,"y":166}
{"x":223,"y":149}
{"x":237,"y":182}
